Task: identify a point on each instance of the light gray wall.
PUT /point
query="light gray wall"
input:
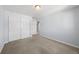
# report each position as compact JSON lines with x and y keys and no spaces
{"x":1,"y":27}
{"x":63,"y":26}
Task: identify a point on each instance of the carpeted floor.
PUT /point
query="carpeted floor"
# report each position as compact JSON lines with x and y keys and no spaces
{"x":38,"y":45}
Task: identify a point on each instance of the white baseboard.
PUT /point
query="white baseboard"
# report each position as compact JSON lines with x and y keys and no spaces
{"x":51,"y":38}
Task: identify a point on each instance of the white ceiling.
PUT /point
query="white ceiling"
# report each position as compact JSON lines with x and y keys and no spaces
{"x":30,"y":10}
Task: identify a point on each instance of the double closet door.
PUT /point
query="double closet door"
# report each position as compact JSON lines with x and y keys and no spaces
{"x":25,"y":26}
{"x":18,"y":26}
{"x":14,"y":26}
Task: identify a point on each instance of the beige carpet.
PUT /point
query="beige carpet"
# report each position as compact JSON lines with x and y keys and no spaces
{"x":38,"y":45}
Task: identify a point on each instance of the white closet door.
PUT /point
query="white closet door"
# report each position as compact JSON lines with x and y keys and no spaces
{"x":14,"y":27}
{"x":34,"y":27}
{"x":25,"y":27}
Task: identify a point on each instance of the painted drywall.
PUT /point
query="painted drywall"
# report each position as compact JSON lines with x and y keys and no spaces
{"x":63,"y":26}
{"x":1,"y":27}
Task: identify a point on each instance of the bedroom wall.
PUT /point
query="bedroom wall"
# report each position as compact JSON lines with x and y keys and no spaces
{"x":62,"y":26}
{"x":1,"y":27}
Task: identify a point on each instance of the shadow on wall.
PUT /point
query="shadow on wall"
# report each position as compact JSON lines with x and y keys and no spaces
{"x":63,"y":26}
{"x":76,"y":24}
{"x":71,"y":26}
